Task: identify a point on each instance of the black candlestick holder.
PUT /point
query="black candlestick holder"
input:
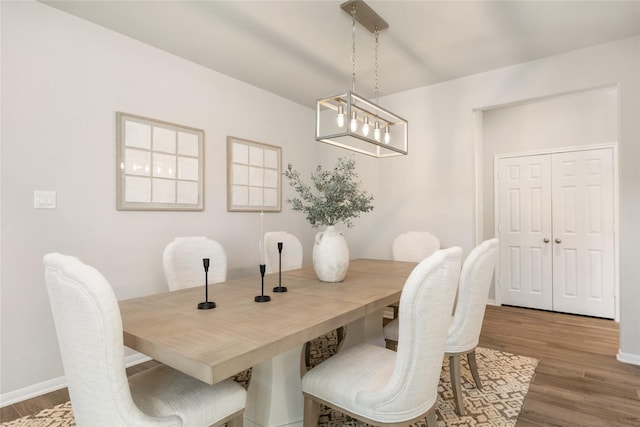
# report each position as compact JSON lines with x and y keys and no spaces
{"x":262,"y":297}
{"x":280,"y":288}
{"x":206,"y":305}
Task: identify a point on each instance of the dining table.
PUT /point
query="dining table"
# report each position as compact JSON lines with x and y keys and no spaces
{"x":240,"y":333}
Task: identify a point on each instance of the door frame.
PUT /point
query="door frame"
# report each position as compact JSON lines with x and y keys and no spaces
{"x":616,"y":215}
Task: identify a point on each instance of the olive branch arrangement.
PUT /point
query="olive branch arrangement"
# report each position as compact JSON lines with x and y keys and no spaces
{"x":335,"y":195}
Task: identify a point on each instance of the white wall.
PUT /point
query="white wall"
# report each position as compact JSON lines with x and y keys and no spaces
{"x":63,"y":79}
{"x":433,"y":188}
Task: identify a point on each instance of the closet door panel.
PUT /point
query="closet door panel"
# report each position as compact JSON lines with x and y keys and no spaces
{"x":583,"y":245}
{"x":524,"y":225}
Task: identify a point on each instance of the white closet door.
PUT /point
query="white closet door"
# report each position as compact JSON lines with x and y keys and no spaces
{"x":525,"y":231}
{"x":583,"y":224}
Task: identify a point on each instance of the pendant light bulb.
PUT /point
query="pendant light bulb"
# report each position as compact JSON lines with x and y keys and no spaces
{"x":340,"y":116}
{"x":376,"y":131}
{"x":387,"y":135}
{"x":365,"y":126}
{"x":354,"y":121}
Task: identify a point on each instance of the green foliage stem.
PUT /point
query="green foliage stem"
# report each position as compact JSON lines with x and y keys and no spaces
{"x":335,"y":195}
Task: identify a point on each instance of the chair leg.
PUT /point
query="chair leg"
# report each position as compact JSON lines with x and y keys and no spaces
{"x":340,"y":333}
{"x":471,"y":357}
{"x":454,"y":369}
{"x":303,"y":360}
{"x":307,"y":355}
{"x":431,"y":418}
{"x":237,"y":421}
{"x":311,"y":412}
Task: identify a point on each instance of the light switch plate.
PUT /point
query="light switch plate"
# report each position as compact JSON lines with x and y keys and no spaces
{"x":44,"y":199}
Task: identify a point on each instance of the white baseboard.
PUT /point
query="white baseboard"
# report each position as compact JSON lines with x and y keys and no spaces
{"x":55,"y":384}
{"x":32,"y":391}
{"x":633,"y":359}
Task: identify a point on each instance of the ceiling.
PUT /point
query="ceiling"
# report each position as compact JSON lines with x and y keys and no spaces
{"x":301,"y":50}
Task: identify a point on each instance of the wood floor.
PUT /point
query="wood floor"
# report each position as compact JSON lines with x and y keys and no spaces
{"x":578,"y":381}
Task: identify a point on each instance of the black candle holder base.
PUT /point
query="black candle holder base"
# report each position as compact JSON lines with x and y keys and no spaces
{"x":207,"y":305}
{"x":280,"y":289}
{"x":263,"y":297}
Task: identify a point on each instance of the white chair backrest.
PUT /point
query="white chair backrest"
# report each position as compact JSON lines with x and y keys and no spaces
{"x":182,"y":261}
{"x":291,"y":251}
{"x":89,"y":328}
{"x":425,"y":317}
{"x":414,"y":246}
{"x":475,"y":280}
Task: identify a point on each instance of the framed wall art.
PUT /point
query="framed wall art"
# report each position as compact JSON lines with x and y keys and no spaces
{"x":254,"y":176}
{"x":159,"y":165}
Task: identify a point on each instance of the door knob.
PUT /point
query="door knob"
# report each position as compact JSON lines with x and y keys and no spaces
{"x":558,"y":241}
{"x":545,"y":240}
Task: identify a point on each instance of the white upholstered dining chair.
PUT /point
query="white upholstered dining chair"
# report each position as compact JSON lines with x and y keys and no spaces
{"x":413,"y":246}
{"x":182,"y":262}
{"x":89,"y":329}
{"x":291,"y":251}
{"x":382,"y":387}
{"x":464,"y":333}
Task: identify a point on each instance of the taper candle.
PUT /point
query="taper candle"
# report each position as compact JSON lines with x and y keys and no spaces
{"x":261,"y":245}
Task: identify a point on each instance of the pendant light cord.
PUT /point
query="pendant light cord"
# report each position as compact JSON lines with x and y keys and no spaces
{"x":377,"y":86}
{"x":353,"y":50}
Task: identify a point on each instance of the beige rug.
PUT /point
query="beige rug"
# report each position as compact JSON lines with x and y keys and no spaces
{"x":505,"y":380}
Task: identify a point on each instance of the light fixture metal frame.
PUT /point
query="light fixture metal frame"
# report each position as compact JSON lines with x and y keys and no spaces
{"x":344,"y":137}
{"x":327,"y":109}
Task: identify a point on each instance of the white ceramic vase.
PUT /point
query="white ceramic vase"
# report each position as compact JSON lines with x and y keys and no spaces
{"x":330,"y":255}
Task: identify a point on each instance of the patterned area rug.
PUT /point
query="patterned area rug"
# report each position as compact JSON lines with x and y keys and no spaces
{"x":505,"y":381}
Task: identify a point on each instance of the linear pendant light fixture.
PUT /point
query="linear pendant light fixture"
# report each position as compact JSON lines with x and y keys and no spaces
{"x":351,"y":121}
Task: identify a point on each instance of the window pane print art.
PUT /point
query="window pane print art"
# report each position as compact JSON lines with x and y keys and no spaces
{"x":254,"y":176}
{"x":159,"y":165}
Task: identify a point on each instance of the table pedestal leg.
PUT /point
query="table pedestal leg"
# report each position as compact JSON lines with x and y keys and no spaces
{"x":367,"y":329}
{"x":274,"y":398}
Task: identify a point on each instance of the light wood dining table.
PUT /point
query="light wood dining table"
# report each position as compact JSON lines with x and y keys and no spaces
{"x":212,"y":345}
